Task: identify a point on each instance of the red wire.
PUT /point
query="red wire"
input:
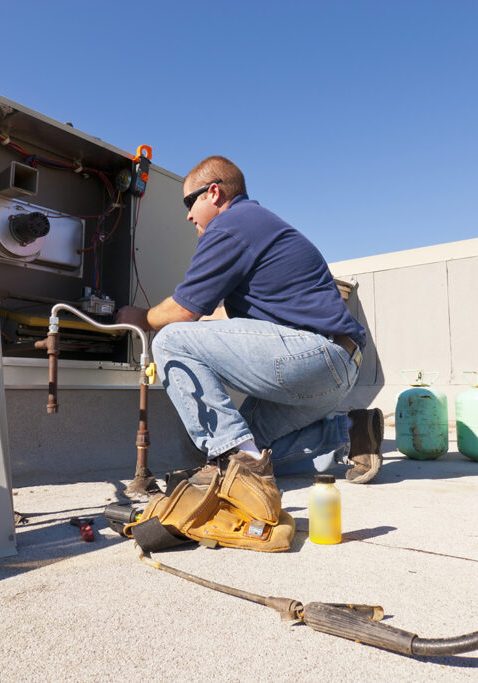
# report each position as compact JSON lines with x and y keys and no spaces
{"x":59,"y":164}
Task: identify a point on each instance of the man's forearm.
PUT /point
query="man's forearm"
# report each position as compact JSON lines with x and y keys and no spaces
{"x":157,"y":317}
{"x":218,"y":314}
{"x":168,"y":311}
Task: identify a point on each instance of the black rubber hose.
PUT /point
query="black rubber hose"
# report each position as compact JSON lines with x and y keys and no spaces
{"x":445,"y":646}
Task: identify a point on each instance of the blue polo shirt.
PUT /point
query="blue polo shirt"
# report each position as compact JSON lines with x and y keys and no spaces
{"x":264,"y":269}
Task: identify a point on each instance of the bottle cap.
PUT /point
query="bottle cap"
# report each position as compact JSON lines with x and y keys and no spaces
{"x":325,"y":479}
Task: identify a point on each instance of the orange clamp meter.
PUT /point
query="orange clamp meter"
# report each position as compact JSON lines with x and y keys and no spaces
{"x":142,"y":162}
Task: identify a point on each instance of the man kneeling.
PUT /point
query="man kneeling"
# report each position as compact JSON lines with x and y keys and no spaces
{"x":287,"y":341}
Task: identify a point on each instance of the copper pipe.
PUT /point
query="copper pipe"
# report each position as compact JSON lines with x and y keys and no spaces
{"x":144,"y":481}
{"x":142,"y":435}
{"x":51,"y":344}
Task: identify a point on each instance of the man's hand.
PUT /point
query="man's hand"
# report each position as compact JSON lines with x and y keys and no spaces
{"x":133,"y":315}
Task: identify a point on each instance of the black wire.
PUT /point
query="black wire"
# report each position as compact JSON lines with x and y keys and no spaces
{"x":135,"y":293}
{"x":133,"y":256}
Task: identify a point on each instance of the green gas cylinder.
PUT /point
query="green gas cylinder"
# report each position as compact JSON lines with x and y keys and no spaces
{"x":466,"y":410}
{"x":421,"y":422}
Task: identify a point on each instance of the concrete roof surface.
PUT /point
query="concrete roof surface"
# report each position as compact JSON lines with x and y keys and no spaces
{"x":76,"y":611}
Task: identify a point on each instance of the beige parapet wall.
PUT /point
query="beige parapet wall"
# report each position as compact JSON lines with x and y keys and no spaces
{"x":420,"y":309}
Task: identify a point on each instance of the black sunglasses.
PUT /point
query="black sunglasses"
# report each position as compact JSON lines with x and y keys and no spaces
{"x":190,"y":198}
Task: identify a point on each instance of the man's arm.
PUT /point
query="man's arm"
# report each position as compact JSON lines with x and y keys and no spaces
{"x":157,"y":317}
{"x":218,"y":314}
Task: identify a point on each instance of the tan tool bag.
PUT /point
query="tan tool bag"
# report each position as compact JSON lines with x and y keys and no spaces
{"x":209,"y":517}
{"x":257,"y":496}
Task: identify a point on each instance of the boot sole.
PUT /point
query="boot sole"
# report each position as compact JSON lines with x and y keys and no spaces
{"x":376,"y":459}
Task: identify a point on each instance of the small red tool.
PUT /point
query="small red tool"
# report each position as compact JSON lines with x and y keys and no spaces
{"x":84,"y":525}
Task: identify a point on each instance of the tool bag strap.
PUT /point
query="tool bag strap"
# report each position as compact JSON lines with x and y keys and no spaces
{"x":167,"y":518}
{"x":152,"y":536}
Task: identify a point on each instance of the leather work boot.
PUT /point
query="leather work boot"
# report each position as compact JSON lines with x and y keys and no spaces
{"x":205,"y":475}
{"x":250,"y":486}
{"x":261,"y":467}
{"x":366,"y":435}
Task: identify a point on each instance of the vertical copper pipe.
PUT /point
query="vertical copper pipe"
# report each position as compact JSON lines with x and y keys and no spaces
{"x":53,"y":352}
{"x":51,"y":344}
{"x":142,"y":435}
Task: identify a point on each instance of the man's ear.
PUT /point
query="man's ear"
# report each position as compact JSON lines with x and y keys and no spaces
{"x":217,"y":196}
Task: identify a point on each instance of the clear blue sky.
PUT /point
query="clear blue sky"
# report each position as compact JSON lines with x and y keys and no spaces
{"x":356,"y":120}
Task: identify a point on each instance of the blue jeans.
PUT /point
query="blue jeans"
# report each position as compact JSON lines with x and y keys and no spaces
{"x":294,"y":380}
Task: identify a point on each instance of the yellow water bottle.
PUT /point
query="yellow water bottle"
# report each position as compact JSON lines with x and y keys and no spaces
{"x":325,"y":519}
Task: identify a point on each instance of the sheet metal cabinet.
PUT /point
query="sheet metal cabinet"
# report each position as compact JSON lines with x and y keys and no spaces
{"x":70,"y":259}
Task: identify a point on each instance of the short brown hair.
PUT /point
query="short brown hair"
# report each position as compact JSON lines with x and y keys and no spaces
{"x":219,"y":168}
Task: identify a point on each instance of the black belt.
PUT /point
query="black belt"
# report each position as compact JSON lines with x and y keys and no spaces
{"x":350,"y":346}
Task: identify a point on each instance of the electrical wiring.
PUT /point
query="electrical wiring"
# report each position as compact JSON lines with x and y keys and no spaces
{"x":99,"y":237}
{"x":139,"y":285}
{"x":105,"y":238}
{"x":34,"y":160}
{"x":107,"y":221}
{"x":120,"y":206}
{"x":62,"y":214}
{"x":136,"y":210}
{"x":133,"y":256}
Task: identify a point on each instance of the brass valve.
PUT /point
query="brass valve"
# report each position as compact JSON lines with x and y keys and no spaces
{"x":150,"y":373}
